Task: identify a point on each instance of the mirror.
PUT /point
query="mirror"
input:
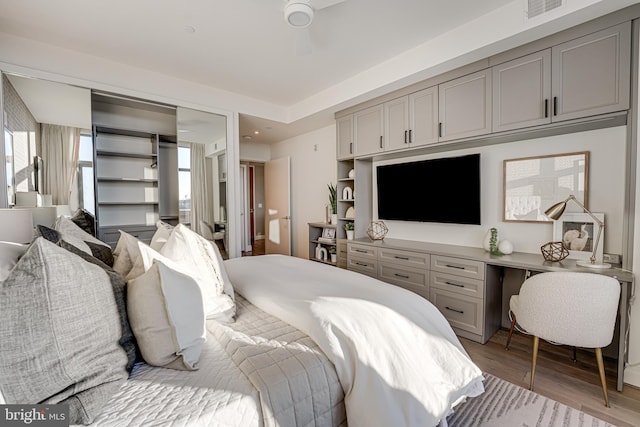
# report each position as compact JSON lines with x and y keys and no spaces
{"x":533,"y":184}
{"x":29,"y":105}
{"x":202,"y":170}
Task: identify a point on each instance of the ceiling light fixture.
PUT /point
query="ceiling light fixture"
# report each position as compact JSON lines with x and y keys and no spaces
{"x":256,"y":132}
{"x":298,"y":14}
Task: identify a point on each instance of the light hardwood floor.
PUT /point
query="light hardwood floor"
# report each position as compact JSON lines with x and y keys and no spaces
{"x":557,"y":377}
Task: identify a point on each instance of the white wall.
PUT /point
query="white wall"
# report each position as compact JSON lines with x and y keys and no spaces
{"x":313,"y":166}
{"x":254,"y":152}
{"x":606,"y":192}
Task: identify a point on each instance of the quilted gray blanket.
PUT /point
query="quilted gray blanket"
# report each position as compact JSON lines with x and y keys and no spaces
{"x":298,"y":385}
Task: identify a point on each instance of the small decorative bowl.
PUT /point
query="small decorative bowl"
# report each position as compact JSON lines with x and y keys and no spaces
{"x":554,"y":251}
{"x":377,"y":230}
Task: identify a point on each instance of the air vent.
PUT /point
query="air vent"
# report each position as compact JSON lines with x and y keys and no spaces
{"x":535,"y":8}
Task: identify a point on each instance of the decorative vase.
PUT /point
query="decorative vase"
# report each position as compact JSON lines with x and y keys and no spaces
{"x":334,"y":218}
{"x":350,"y":234}
{"x":506,"y":247}
{"x":351,"y":174}
{"x":334,"y":258}
{"x":486,"y":243}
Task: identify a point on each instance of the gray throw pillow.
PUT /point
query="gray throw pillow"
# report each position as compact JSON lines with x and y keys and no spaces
{"x":60,"y":331}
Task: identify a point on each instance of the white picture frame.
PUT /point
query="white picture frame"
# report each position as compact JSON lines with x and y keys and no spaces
{"x":578,"y":232}
{"x":533,"y":184}
{"x":328,"y":233}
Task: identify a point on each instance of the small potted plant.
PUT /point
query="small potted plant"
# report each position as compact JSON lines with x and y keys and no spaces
{"x":349,"y":228}
{"x":333,"y":254}
{"x":333,"y":202}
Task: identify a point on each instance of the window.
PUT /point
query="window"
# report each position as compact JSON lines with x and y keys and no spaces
{"x":8,"y":151}
{"x":86,"y":198}
{"x":184,"y":184}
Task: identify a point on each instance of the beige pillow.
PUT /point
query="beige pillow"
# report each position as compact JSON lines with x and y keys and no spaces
{"x":166,"y":313}
{"x":202,"y":259}
{"x":125,"y":253}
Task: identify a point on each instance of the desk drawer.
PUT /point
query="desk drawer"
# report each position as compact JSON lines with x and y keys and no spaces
{"x":362,"y":251}
{"x":363,"y":265}
{"x":461,"y":311}
{"x":457,"y":284}
{"x":458,"y":266}
{"x":403,"y":276}
{"x":400,"y":257}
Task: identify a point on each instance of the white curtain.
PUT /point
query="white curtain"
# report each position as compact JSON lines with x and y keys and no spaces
{"x":60,"y":147}
{"x":200,"y":203}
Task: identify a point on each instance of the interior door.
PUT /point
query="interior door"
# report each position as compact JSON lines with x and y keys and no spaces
{"x":245,"y":239}
{"x":277,"y":185}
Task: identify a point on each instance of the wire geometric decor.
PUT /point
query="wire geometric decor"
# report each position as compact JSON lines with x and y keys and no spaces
{"x":377,"y":230}
{"x":554,"y":251}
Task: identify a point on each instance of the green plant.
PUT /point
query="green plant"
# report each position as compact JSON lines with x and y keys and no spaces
{"x":348,"y":226}
{"x":333,"y":201}
{"x":493,"y":243}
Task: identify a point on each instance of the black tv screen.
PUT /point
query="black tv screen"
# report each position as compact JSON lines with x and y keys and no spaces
{"x":443,"y":190}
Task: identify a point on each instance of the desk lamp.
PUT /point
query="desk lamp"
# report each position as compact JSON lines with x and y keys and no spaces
{"x":556,"y":211}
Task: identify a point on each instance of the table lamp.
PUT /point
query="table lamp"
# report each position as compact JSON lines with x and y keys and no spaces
{"x":556,"y":211}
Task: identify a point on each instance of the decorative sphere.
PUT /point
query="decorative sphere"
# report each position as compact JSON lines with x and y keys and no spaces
{"x":377,"y":230}
{"x":506,"y":247}
{"x":351,"y":174}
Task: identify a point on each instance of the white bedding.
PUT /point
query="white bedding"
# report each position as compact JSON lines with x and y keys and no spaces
{"x":398,"y":360}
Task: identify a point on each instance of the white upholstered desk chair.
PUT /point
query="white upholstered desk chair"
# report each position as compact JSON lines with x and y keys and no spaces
{"x":568,"y":308}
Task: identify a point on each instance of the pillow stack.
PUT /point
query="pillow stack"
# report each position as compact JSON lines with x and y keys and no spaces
{"x":173,"y":287}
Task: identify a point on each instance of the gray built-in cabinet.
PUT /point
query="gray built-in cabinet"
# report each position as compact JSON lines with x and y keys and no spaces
{"x":136,"y":174}
{"x":574,"y":79}
{"x":579,"y":78}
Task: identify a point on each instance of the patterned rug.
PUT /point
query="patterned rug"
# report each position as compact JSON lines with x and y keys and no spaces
{"x":504,"y":404}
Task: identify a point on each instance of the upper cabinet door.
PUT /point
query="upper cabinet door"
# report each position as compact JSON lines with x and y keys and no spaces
{"x":396,"y":123}
{"x":344,"y":135}
{"x":522,"y":92}
{"x":591,"y":74}
{"x":465,"y":106}
{"x":368,"y":130}
{"x":423,"y":117}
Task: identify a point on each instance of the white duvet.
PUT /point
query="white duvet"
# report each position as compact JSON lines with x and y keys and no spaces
{"x":397,"y":358}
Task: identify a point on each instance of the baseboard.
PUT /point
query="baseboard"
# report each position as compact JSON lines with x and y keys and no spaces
{"x":259,"y":237}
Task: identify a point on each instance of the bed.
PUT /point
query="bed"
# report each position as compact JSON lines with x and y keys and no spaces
{"x":308,"y":345}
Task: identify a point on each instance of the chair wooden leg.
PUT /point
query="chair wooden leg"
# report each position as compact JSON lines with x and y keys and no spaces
{"x":534,"y":359}
{"x":603,"y":379}
{"x":513,"y":324}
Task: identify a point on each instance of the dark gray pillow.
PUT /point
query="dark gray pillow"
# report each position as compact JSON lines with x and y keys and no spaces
{"x":60,"y":337}
{"x":85,"y":220}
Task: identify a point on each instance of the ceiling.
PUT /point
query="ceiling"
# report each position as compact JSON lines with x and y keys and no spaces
{"x":244,"y":46}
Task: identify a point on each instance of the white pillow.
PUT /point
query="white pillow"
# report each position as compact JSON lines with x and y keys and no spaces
{"x":161,"y":235}
{"x":144,"y":257}
{"x":203,"y":261}
{"x":166,"y":314}
{"x":10,"y":253}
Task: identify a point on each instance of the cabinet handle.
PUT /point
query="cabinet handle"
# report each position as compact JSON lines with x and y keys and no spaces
{"x":453,"y":309}
{"x":400,"y":275}
{"x":440,"y":129}
{"x":454,"y":284}
{"x":454,"y":266}
{"x":405,"y":136}
{"x":555,"y":105}
{"x":546,"y":108}
{"x":360,"y":250}
{"x":360,"y":264}
{"x":351,"y":148}
{"x":410,"y":136}
{"x":401,"y":257}
{"x":381,"y":146}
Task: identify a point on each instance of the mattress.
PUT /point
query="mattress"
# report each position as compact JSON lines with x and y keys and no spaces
{"x":258,"y":371}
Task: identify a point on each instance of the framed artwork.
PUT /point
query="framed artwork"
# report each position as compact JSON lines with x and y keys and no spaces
{"x":578,"y":231}
{"x":533,"y":184}
{"x":328,"y":233}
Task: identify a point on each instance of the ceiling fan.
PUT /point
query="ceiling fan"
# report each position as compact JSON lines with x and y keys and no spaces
{"x":299,"y":14}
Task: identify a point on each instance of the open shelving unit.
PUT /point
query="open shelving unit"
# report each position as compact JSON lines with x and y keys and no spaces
{"x":315,"y":239}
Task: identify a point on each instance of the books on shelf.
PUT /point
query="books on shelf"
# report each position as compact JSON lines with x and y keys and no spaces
{"x":326,"y":240}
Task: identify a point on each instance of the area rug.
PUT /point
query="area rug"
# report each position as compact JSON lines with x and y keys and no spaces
{"x":504,"y":404}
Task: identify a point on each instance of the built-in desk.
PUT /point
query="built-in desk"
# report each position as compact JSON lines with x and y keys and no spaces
{"x":409,"y":263}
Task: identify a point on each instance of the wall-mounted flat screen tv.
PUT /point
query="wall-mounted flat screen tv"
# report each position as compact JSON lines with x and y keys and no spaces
{"x":443,"y":190}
